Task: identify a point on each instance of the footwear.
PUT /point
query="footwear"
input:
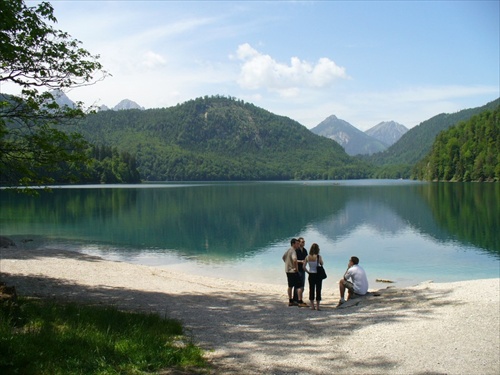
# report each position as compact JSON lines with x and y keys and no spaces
{"x":291,"y":304}
{"x":341,"y":301}
{"x":302,"y":304}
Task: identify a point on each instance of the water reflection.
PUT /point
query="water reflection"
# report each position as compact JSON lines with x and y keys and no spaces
{"x":241,"y":220}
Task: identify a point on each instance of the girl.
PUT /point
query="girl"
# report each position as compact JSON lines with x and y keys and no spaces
{"x":315,"y":282}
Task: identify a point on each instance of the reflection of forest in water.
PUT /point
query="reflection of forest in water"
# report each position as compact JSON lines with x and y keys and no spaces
{"x":468,"y":213}
{"x":237,"y":220}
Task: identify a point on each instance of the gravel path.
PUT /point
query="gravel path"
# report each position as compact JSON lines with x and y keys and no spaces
{"x":246,"y":328}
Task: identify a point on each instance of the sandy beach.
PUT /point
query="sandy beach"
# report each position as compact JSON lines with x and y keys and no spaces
{"x":245,"y":328}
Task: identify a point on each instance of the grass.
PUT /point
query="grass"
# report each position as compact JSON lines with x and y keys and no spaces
{"x":47,"y":337}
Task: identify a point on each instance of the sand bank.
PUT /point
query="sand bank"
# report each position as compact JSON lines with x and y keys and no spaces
{"x":450,"y":328}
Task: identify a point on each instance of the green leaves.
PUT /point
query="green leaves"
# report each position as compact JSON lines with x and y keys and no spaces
{"x":38,"y":57}
{"x":468,"y":151}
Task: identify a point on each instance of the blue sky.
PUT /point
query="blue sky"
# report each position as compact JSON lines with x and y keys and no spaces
{"x":363,"y":61}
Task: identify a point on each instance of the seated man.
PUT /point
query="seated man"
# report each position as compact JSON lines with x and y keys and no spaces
{"x":354,"y":281}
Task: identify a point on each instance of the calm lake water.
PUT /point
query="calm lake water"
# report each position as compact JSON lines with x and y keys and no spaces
{"x":403,"y":231}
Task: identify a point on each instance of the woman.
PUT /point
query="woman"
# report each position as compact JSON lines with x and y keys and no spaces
{"x":315,"y":282}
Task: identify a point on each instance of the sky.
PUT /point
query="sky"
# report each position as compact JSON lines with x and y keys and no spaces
{"x":362,"y":61}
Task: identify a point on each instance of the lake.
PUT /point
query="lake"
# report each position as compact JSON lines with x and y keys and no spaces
{"x":404,"y":231}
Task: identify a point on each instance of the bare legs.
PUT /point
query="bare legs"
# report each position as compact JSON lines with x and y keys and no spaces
{"x":342,"y":288}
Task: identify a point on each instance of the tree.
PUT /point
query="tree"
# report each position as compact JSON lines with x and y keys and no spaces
{"x":39,"y":59}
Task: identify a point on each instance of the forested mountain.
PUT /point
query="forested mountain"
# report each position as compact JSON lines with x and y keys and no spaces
{"x":417,"y":142}
{"x":353,"y":140}
{"x":218,"y":138}
{"x":469,"y":151}
{"x":399,"y":159}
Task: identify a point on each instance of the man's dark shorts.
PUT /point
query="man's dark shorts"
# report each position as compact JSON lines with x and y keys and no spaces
{"x":349,"y":286}
{"x":294,"y":280}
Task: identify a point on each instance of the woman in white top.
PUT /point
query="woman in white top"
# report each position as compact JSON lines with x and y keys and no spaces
{"x":315,"y":282}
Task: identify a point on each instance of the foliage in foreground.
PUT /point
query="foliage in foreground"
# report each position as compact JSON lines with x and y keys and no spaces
{"x":36,"y":58}
{"x":45,"y":337}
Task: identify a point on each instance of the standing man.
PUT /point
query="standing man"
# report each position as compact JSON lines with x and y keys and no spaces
{"x":301,"y":255}
{"x":354,"y":280}
{"x":292,"y":275}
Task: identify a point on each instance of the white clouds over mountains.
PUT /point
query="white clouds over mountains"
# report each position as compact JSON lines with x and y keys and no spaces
{"x":259,"y":71}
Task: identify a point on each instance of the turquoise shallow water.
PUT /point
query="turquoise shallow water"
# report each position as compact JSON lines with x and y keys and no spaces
{"x":403,"y":231}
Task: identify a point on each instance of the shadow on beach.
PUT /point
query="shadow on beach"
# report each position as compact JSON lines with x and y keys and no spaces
{"x":236,"y":326}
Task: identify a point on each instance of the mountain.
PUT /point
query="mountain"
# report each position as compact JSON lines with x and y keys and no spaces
{"x":387,"y":132}
{"x":127,"y":104}
{"x":62,"y":99}
{"x":354,"y":141}
{"x":468,"y":151}
{"x":416,"y":143}
{"x":218,"y":138}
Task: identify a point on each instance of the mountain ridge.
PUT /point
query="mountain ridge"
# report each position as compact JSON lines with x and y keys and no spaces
{"x":416,"y":143}
{"x":218,"y":138}
{"x":353,"y":140}
{"x":387,"y":132}
{"x":62,"y":100}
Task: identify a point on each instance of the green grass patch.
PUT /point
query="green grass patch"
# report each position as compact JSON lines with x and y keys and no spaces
{"x":47,"y":337}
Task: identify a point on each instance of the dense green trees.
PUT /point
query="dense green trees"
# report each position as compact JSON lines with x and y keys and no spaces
{"x":469,"y":151}
{"x":220,"y":138}
{"x":37,"y":57}
{"x":210,"y":138}
{"x":399,"y":159}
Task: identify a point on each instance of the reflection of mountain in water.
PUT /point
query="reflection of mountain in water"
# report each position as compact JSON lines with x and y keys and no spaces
{"x":238,"y":220}
{"x":226,"y":219}
{"x":388,"y":210}
{"x":356,"y":214}
{"x":467,"y":213}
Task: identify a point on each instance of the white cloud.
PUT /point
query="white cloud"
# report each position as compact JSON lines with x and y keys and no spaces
{"x":262,"y":71}
{"x":152,"y":60}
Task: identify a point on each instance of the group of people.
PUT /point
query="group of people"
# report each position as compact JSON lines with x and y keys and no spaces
{"x":298,"y":262}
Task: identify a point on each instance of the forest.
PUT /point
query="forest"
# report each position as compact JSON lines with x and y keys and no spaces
{"x":399,"y":160}
{"x":469,"y":151}
{"x":225,"y":139}
{"x":220,"y":138}
{"x":204,"y":139}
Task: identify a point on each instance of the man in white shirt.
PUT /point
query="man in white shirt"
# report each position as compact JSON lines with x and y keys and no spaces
{"x":354,"y":280}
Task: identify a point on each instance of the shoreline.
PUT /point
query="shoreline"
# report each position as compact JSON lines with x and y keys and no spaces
{"x":438,"y":328}
{"x":270,"y":275}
